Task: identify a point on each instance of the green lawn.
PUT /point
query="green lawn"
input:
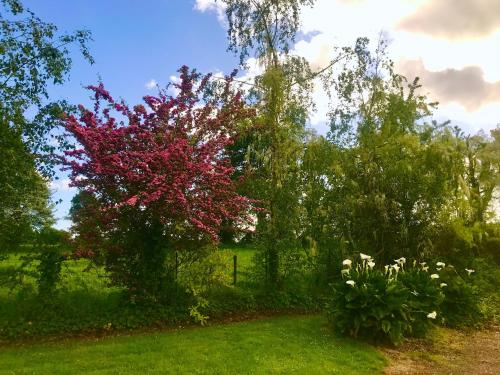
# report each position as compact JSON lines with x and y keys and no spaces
{"x":284,"y":345}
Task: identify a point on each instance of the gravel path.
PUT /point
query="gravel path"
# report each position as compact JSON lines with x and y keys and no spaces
{"x":452,"y":352}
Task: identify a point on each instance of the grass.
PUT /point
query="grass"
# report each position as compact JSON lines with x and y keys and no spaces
{"x":284,"y":345}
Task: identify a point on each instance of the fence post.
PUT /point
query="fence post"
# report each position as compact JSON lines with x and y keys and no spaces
{"x":235,"y":270}
{"x":176,"y":264}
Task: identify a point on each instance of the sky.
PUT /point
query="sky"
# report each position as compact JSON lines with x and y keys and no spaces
{"x":452,"y":45}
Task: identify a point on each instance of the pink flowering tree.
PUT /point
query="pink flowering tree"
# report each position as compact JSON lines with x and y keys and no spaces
{"x":156,"y":178}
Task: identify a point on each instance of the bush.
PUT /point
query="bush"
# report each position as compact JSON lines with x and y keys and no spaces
{"x":212,"y":269}
{"x":426,"y":296}
{"x":403,"y":300}
{"x":384,"y":305}
{"x":461,"y":306}
{"x":487,"y":281}
{"x":45,"y":260}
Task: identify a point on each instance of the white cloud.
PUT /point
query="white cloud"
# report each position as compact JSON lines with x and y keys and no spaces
{"x":455,"y":19}
{"x":61,"y":185}
{"x":211,"y":6}
{"x":151,"y":84}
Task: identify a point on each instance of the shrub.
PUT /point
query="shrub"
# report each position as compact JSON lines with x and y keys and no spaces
{"x":198,"y":277}
{"x":45,"y":261}
{"x":461,"y":306}
{"x":384,"y":305}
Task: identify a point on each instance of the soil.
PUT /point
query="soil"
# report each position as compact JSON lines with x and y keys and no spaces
{"x":448,"y":352}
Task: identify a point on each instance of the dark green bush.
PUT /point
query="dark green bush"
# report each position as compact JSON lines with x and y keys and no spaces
{"x":384,"y":305}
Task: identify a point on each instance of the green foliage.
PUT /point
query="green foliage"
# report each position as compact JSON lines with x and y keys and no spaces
{"x":403,"y":300}
{"x":426,"y":295}
{"x":283,"y":101}
{"x":209,"y":271}
{"x":390,"y":174}
{"x":24,"y":195}
{"x":461,"y":306}
{"x":487,"y":281}
{"x":34,"y":56}
{"x":380,"y":305}
{"x":50,"y":248}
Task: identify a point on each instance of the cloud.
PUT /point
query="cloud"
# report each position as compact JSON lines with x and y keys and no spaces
{"x":455,"y":19}
{"x":465,"y":86}
{"x":151,"y":84}
{"x":61,"y":185}
{"x":340,"y":22}
{"x":212,"y":6}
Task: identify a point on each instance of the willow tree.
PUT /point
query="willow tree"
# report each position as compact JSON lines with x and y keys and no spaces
{"x":398,"y":168}
{"x":266,"y":30}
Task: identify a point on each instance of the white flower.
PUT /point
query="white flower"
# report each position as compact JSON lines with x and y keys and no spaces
{"x":434,"y":276}
{"x":439,"y":268}
{"x":386,"y":269}
{"x":440,"y":264}
{"x":365,"y":257}
{"x":371,"y":264}
{"x":350,"y":282}
{"x":425,"y":269}
{"x":423,"y":263}
{"x":432,"y":315}
{"x":469,"y":271}
{"x":347,"y":262}
{"x":442,"y":285}
{"x":345,"y":272}
{"x":395,"y":267}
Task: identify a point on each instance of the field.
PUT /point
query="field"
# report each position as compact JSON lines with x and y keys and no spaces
{"x":85,"y":302}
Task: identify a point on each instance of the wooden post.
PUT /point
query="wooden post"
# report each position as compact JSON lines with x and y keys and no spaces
{"x":176,"y":264}
{"x":235,"y":262}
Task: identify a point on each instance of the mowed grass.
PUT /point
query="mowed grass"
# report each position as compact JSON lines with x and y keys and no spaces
{"x":283,"y":345}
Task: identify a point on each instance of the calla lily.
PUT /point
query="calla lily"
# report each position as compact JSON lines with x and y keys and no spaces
{"x":350,"y":282}
{"x":347,"y":262}
{"x":432,"y":315}
{"x":434,"y":276}
{"x":365,"y":257}
{"x":469,"y":271}
{"x":442,"y":285}
{"x":440,"y":264}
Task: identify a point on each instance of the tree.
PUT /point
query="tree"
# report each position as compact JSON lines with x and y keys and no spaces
{"x":159,"y":183}
{"x":480,"y":177}
{"x":32,"y":56}
{"x":397,"y":171}
{"x":267,"y":29}
{"x":24,"y":194}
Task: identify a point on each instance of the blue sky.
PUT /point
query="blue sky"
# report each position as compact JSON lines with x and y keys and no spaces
{"x":134,"y":42}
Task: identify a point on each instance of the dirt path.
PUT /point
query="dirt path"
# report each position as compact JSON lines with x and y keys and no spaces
{"x":448,"y":352}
